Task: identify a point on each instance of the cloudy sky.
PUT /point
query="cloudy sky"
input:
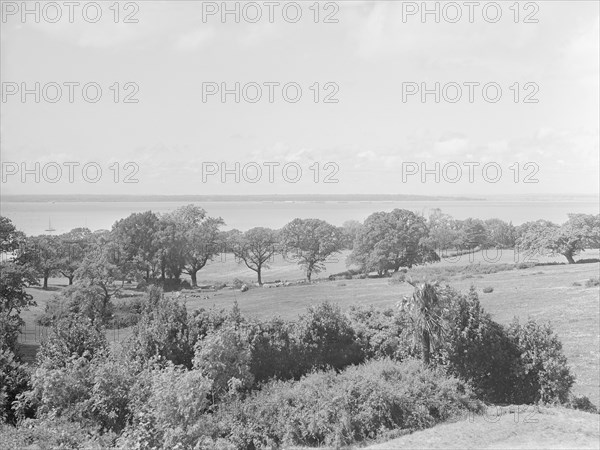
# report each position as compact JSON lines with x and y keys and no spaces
{"x":370,"y":141}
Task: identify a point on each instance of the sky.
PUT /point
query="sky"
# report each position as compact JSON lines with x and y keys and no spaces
{"x":374,"y":134}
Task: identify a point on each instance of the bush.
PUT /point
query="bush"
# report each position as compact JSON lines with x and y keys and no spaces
{"x":223,"y":356}
{"x":582,"y":403}
{"x":592,"y":282}
{"x":479,"y":350}
{"x":544,"y":375}
{"x":275,"y":353}
{"x":168,"y":402}
{"x":362,"y":402}
{"x":70,"y":336}
{"x":327,"y":339}
{"x":14,"y":379}
{"x":488,"y":290}
{"x":380,"y":333}
{"x":162,"y":331}
{"x":86,"y":301}
{"x":54,"y":433}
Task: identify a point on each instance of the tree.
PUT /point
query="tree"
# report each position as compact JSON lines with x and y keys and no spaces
{"x":255,"y":248}
{"x":474,"y":234}
{"x":444,"y":231}
{"x":350,"y":230}
{"x":102,"y":268}
{"x":388,"y":241}
{"x":581,"y":231}
{"x":137,"y":236}
{"x":10,"y":237}
{"x":501,"y":233}
{"x":72,"y":247}
{"x":311,"y":242}
{"x":424,"y":311}
{"x":41,"y":253}
{"x":14,"y":279}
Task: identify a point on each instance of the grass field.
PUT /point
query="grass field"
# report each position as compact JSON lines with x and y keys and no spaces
{"x":545,"y":293}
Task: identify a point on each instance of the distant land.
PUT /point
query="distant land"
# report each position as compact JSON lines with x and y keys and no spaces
{"x":231,"y":198}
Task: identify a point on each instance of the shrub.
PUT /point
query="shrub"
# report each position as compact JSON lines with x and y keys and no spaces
{"x":327,"y":339}
{"x":275,"y":354}
{"x":223,"y":356}
{"x":544,"y":375}
{"x":488,"y":290}
{"x":582,"y":403}
{"x":362,"y":402}
{"x":380,"y":333}
{"x":72,"y":335}
{"x":477,"y":349}
{"x":161,"y":331}
{"x":54,"y":433}
{"x":87,"y":301}
{"x":168,"y":402}
{"x":14,"y":379}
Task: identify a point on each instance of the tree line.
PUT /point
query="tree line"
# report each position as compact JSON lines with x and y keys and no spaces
{"x":161,"y":248}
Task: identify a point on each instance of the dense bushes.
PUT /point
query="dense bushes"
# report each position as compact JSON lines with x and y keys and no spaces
{"x":329,"y":408}
{"x":521,"y":364}
{"x":14,"y":379}
{"x":543,"y":375}
{"x":214,"y":379}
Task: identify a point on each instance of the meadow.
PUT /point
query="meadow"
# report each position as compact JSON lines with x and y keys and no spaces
{"x":551,"y":292}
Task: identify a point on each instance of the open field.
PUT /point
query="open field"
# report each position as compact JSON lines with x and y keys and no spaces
{"x":545,"y":293}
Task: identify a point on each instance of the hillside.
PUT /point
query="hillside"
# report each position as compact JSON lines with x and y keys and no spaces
{"x":547,"y":428}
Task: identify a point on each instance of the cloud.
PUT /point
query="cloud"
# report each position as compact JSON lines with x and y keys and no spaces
{"x":194,"y":39}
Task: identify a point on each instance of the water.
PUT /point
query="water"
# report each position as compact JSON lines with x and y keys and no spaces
{"x":33,"y":217}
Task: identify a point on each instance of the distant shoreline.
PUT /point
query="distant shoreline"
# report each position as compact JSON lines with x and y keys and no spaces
{"x":231,"y":198}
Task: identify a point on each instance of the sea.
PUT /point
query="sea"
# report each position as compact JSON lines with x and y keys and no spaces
{"x":37,"y":217}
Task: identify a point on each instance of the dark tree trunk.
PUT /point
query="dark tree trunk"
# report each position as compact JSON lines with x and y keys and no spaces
{"x":258,"y":270}
{"x":193,"y":274}
{"x":45,"y":281}
{"x":569,"y":256}
{"x":426,"y":344}
{"x":308,"y":275}
{"x":71,"y":279}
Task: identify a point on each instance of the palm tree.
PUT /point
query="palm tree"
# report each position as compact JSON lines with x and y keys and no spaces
{"x":424,"y":311}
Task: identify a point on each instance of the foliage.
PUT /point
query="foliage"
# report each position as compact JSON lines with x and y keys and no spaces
{"x":87,"y":301}
{"x":14,"y":379}
{"x":168,"y":401}
{"x":162,"y":331}
{"x":326,"y":339}
{"x":544,"y":375}
{"x":70,"y":336}
{"x":388,"y":241}
{"x":223,"y":356}
{"x":256,"y":247}
{"x":581,"y":231}
{"x":274,"y":351}
{"x":334,"y":409}
{"x":14,"y":278}
{"x":310,"y":242}
{"x":479,"y":350}
{"x":424,"y":314}
{"x":380,"y":332}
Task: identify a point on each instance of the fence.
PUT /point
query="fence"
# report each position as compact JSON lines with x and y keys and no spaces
{"x":34,"y":334}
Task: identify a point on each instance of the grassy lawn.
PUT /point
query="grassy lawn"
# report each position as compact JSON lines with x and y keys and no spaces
{"x":545,"y":293}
